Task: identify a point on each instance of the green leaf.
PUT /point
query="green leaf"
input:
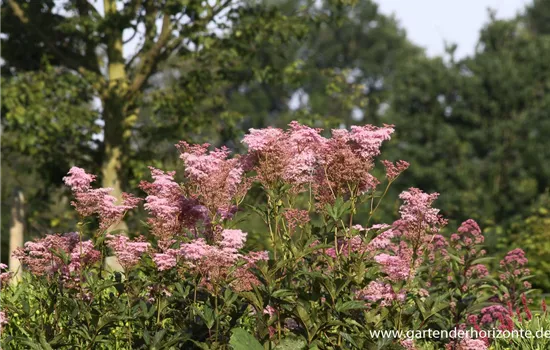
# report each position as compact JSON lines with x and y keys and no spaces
{"x":283,"y":293}
{"x":261,"y":210}
{"x":31,"y":344}
{"x":44,"y":342}
{"x":202,"y":345}
{"x":253,"y":298}
{"x":338,"y":209}
{"x":292,"y":342}
{"x":208,"y":316}
{"x":350,"y":305}
{"x":158,"y":337}
{"x":146,"y":336}
{"x":349,"y":339}
{"x":483,"y":260}
{"x":304,"y":315}
{"x":242,"y":340}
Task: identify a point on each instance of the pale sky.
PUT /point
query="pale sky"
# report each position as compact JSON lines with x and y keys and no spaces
{"x":430,"y":22}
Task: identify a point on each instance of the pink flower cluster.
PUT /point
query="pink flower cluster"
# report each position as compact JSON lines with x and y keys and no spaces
{"x":170,"y":211}
{"x":468,"y":237}
{"x":165,"y":261}
{"x":497,"y":313}
{"x":515,"y":258}
{"x":346,"y":162}
{"x":214,"y":262}
{"x":417,"y":215}
{"x":512,"y":276}
{"x":4,"y":276}
{"x":83,"y":254}
{"x":381,"y":292}
{"x":399,"y":250}
{"x":493,"y":313}
{"x":91,"y":201}
{"x":44,"y":256}
{"x":3,"y":320}
{"x":477,"y":271}
{"x":259,"y":140}
{"x":296,"y":218}
{"x":215,"y":183}
{"x":396,"y":267}
{"x":78,"y":180}
{"x":127,"y":252}
{"x":301,"y":156}
{"x":513,"y":266}
{"x":383,"y":241}
{"x":290,"y":156}
{"x":394,"y":170}
{"x":215,"y":180}
{"x":217,"y":262}
{"x":233,"y":240}
{"x":468,"y":343}
{"x":366,"y":140}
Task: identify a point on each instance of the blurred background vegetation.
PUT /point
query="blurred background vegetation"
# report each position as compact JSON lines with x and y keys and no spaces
{"x":111,"y":86}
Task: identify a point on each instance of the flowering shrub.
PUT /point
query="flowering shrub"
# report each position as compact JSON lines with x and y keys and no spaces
{"x":325,"y":283}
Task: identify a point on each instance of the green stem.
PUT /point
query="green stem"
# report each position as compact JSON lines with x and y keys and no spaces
{"x":217,"y":316}
{"x":129,"y":331}
{"x":279,"y":326}
{"x":379,"y":201}
{"x":195,"y":292}
{"x":158,"y":310}
{"x":336,"y":240}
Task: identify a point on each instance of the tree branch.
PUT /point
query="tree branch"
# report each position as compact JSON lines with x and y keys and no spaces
{"x":149,"y":20}
{"x":18,"y":12}
{"x":163,"y":47}
{"x":149,"y":59}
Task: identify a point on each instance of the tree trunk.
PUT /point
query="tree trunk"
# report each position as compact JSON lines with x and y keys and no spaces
{"x":115,"y":107}
{"x":17,"y":230}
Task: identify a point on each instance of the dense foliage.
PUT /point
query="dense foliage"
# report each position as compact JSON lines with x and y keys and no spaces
{"x":325,"y":283}
{"x":474,"y":128}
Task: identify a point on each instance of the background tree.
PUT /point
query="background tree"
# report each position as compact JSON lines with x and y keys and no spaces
{"x":475,"y":128}
{"x":41,"y":138}
{"x":533,"y":233}
{"x":340,"y":74}
{"x":479,"y":123}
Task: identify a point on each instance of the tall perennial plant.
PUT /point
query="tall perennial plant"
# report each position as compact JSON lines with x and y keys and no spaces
{"x":325,"y":283}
